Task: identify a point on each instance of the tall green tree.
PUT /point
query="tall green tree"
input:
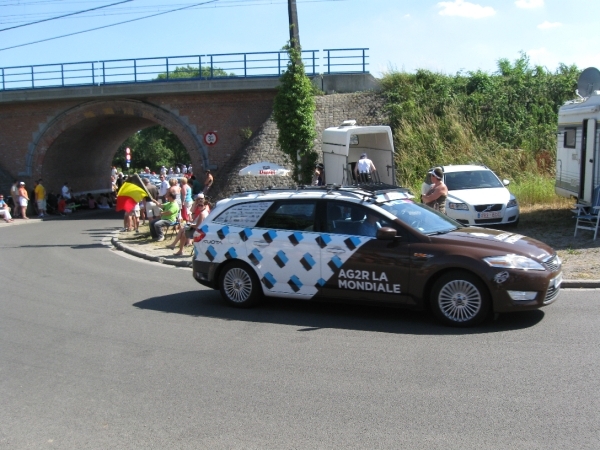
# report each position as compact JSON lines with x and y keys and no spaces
{"x":152,"y":147}
{"x":293,"y":112}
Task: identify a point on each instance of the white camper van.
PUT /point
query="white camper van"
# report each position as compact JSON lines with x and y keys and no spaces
{"x":578,"y":142}
{"x":343,"y":145}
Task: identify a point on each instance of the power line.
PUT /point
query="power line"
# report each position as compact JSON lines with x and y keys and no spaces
{"x":107,"y":26}
{"x":66,"y":15}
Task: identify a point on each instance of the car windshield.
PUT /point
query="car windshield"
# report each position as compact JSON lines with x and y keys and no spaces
{"x":420,"y":217}
{"x":472,"y":179}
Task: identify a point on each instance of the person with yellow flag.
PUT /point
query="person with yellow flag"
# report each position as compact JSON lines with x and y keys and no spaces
{"x":131,"y":193}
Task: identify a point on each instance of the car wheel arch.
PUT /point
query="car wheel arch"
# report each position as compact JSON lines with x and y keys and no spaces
{"x":229,"y":262}
{"x":432,"y":280}
{"x":472,"y":297}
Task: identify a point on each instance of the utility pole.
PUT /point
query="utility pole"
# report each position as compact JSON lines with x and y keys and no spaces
{"x":293,"y":18}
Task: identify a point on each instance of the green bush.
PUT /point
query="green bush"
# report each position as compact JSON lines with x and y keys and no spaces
{"x":506,"y":120}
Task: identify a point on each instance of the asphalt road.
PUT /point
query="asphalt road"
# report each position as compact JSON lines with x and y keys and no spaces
{"x":101,"y":350}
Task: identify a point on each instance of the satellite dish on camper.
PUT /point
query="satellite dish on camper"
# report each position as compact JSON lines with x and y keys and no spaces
{"x":588,"y":82}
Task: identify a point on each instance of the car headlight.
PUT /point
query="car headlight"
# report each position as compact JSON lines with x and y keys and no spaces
{"x":513,"y":262}
{"x":458,"y":206}
{"x":512,"y":203}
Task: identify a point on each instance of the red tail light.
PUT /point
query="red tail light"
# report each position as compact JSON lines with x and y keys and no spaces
{"x":199,"y":235}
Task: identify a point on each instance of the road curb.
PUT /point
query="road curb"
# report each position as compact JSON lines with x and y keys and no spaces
{"x":159,"y":259}
{"x":580,"y":284}
{"x":566,"y":284}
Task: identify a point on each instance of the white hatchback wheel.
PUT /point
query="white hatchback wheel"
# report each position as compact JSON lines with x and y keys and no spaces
{"x":239,"y":285}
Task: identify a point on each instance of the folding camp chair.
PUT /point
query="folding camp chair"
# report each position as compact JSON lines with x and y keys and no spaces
{"x":588,"y":215}
{"x":173,"y":227}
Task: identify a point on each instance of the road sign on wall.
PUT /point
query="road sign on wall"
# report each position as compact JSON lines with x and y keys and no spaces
{"x":210,"y":138}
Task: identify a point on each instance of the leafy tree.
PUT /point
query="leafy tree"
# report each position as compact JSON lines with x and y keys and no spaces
{"x":193,"y":72}
{"x":152,"y":147}
{"x":293,"y":111}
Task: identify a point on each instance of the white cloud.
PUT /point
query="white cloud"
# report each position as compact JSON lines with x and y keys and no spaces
{"x":529,"y":4}
{"x":547,"y":25}
{"x":465,"y":9}
{"x":543,"y":57}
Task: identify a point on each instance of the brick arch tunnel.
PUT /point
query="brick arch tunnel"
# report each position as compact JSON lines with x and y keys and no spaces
{"x":79,"y":145}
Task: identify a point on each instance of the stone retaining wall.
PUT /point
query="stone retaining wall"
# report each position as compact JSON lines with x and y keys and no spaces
{"x":367,"y":108}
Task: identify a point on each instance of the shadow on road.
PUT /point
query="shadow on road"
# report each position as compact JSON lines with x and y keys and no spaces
{"x":74,"y":247}
{"x":311,"y":316}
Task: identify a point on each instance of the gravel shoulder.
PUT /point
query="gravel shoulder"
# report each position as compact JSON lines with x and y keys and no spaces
{"x":555,"y":225}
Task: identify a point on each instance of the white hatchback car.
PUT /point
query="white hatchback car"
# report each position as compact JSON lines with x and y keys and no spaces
{"x":476,"y":196}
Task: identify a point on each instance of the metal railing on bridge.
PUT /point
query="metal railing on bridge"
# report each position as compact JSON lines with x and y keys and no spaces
{"x":175,"y":68}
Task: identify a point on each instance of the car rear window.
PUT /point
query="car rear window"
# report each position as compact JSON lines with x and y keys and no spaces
{"x":298,"y":216}
{"x":243,"y":215}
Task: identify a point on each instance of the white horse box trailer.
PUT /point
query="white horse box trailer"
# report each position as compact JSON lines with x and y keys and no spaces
{"x":578,"y":141}
{"x":343,"y":145}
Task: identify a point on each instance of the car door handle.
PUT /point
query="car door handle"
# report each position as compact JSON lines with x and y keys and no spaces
{"x":336,"y":250}
{"x":260,"y":243}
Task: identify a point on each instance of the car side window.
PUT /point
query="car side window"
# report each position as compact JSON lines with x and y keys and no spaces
{"x":243,"y":215}
{"x":349,"y":218}
{"x":292,"y":215}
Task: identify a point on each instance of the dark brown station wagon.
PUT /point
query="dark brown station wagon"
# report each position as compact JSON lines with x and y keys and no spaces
{"x":377,"y":246}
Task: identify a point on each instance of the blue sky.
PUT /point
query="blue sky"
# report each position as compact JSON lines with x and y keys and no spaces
{"x":443,"y":36}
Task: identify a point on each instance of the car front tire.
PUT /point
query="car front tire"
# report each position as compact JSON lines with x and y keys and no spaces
{"x":239,"y":285}
{"x":460,"y":299}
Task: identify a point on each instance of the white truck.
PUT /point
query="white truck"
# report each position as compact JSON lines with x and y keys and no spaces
{"x":578,"y":141}
{"x":342,"y":147}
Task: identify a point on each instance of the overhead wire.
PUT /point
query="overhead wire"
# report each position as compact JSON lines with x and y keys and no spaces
{"x":65,"y":15}
{"x":221,"y":4}
{"x":106,"y":26}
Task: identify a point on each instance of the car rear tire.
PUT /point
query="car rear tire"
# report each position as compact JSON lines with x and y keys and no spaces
{"x":239,"y":285}
{"x":460,"y":299}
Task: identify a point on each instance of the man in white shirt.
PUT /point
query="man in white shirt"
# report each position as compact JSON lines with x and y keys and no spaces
{"x":364,"y":169}
{"x":163,"y":188}
{"x":66,"y":191}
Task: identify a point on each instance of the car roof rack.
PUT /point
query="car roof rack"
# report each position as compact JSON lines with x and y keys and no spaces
{"x":364,"y":190}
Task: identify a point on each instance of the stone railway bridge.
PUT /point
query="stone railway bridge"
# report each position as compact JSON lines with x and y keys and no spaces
{"x":72,"y":134}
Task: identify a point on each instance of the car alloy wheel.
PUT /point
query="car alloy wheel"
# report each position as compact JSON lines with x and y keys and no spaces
{"x":460,"y":299}
{"x":238,"y":285}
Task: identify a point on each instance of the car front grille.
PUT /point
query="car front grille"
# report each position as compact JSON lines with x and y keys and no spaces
{"x":552,"y":263}
{"x":484,"y":221}
{"x":551,"y":294}
{"x":482,"y":208}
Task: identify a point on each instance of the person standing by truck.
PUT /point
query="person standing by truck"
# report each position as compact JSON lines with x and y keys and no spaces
{"x":436,"y":197}
{"x":319,"y":176}
{"x":364,"y":169}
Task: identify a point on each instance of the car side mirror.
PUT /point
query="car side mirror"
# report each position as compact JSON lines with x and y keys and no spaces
{"x":505,"y":182}
{"x":386,"y":234}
